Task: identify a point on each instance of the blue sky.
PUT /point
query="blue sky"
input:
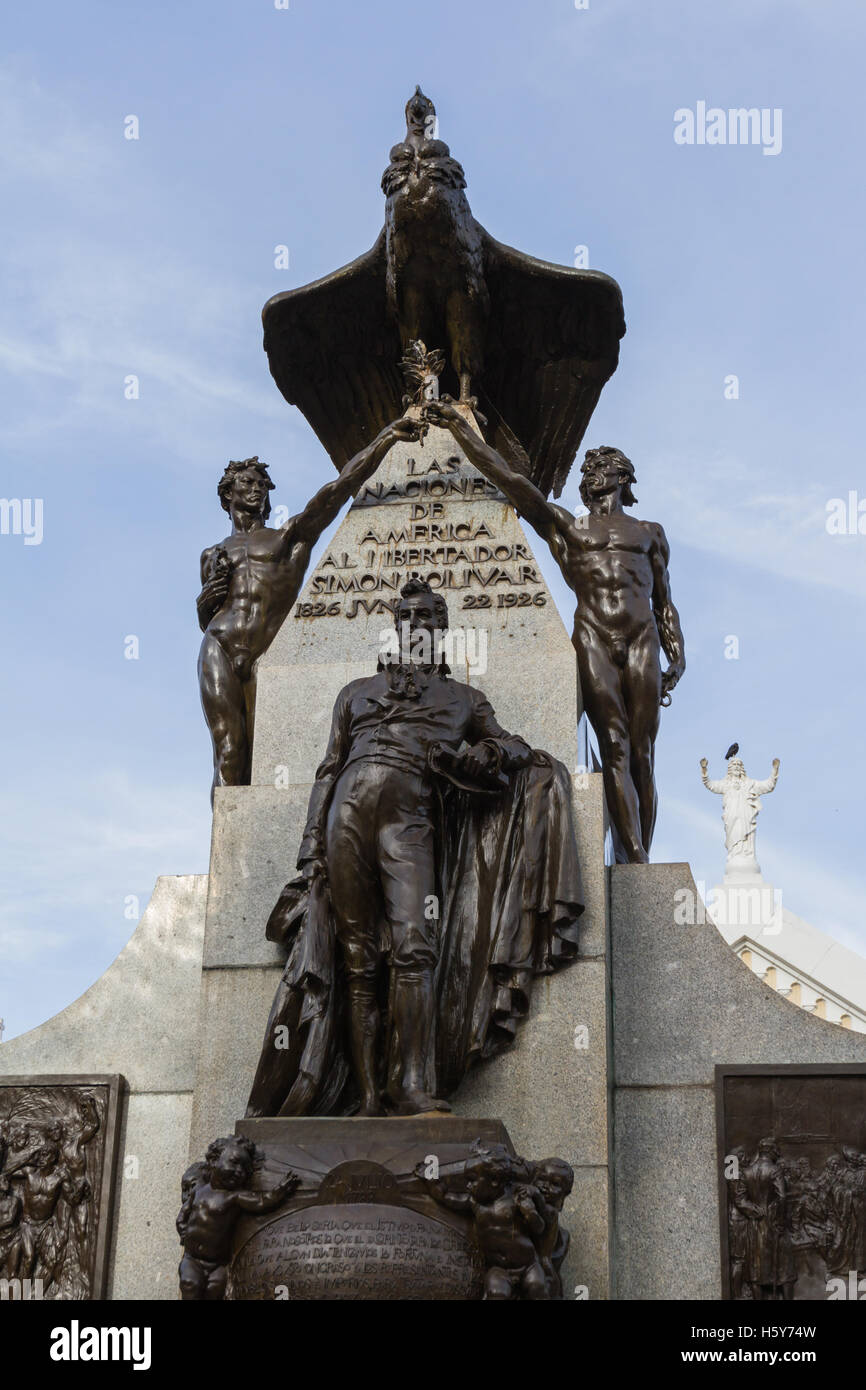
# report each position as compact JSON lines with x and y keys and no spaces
{"x":260,"y":127}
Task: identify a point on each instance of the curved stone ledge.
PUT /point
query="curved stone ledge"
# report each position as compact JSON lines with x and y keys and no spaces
{"x":140,"y":1018}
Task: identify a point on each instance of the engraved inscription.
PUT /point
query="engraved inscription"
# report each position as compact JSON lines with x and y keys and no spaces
{"x":359,"y":1251}
{"x":450,"y":555}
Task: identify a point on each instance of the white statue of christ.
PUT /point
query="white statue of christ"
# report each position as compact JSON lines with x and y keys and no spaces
{"x":740,"y":806}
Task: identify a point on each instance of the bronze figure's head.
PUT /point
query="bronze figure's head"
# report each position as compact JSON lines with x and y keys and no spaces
{"x":231,"y":1162}
{"x":604,"y":470}
{"x":421,"y":607}
{"x":246,"y":483}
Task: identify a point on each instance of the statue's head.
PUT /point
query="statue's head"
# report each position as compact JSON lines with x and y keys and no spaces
{"x":606,"y":470}
{"x":490,"y":1175}
{"x":231,"y":1162}
{"x":195,"y":1173}
{"x":421,"y":620}
{"x":736,"y":769}
{"x":492,"y":1167}
{"x":46,"y":1155}
{"x":420,"y":115}
{"x":245,"y":484}
{"x":554,"y":1179}
{"x":768,"y":1148}
{"x":55,"y":1132}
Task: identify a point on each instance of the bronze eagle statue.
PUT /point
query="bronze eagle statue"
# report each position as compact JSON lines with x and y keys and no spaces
{"x":534,"y":341}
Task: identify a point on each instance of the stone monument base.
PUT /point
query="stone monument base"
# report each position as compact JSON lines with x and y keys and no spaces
{"x":361,"y":1225}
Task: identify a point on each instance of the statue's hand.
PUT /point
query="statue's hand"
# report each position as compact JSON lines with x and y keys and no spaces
{"x":287,"y":1185}
{"x":704,"y":765}
{"x":443,"y":413}
{"x":776,"y":764}
{"x":405,"y":429}
{"x":88,"y":1108}
{"x":479,"y":760}
{"x":314,"y":868}
{"x":214,"y":593}
{"x":670,"y":678}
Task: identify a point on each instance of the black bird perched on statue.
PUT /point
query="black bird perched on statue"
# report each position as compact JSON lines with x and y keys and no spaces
{"x":732,"y":751}
{"x":535,"y":342}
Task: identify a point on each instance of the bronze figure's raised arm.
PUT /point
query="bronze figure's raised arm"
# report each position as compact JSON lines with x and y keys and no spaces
{"x":250,"y":581}
{"x":617,"y":567}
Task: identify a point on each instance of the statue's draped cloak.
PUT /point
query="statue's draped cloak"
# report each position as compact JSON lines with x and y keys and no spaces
{"x":510,"y":899}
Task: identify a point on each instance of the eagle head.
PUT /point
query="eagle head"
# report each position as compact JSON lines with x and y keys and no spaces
{"x":420,"y":117}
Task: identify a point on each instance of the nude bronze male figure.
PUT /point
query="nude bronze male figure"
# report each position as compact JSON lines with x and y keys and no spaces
{"x":617,"y":567}
{"x":250,"y":581}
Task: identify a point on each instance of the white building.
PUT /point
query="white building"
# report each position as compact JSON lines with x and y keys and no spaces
{"x":806,"y":965}
{"x":809,"y":967}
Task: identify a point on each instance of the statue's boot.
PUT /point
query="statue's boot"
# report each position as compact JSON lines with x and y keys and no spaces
{"x":363,"y":1028}
{"x":412,"y":1018}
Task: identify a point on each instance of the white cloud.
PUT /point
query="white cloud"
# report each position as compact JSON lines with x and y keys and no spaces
{"x":88,"y":309}
{"x":62,"y":860}
{"x":23,"y":945}
{"x":716,"y":505}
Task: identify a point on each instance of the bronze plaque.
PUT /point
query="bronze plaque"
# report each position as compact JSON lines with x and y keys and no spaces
{"x":58,"y":1155}
{"x":434,"y":1207}
{"x":792,"y":1181}
{"x":357,"y":1250}
{"x":360,"y":1228}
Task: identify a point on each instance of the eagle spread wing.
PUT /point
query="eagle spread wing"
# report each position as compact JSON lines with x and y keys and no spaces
{"x":551,"y":342}
{"x":334,"y":352}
